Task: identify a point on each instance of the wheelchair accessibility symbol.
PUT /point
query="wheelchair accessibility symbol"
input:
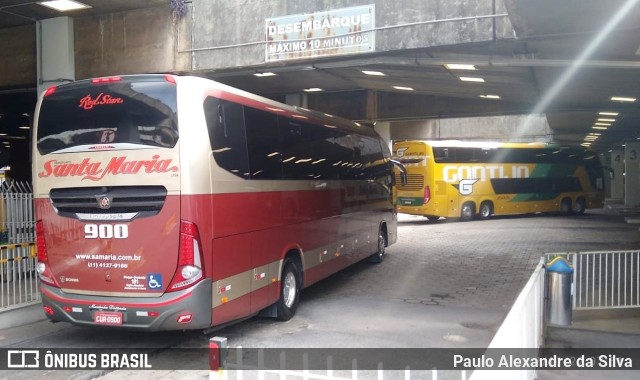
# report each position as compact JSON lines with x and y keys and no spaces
{"x":154,"y":281}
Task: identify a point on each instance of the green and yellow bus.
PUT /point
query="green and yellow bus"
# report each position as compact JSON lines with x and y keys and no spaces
{"x":467,"y":180}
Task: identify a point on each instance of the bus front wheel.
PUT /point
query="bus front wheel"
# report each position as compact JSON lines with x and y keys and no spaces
{"x":579,"y":206}
{"x":467,"y":212}
{"x":289,"y":290}
{"x":565,"y":206}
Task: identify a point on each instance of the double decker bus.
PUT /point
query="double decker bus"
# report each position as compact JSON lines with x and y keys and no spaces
{"x":173,"y":203}
{"x":467,"y":180}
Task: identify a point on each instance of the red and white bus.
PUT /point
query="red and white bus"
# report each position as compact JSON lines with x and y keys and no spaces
{"x":171,"y":203}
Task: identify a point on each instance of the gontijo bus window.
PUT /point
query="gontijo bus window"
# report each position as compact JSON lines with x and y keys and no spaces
{"x":133,"y":112}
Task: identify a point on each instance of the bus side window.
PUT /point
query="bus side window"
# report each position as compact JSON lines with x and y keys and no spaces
{"x":265,"y":160}
{"x":225,"y":122}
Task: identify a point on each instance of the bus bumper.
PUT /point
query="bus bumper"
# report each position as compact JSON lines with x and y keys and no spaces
{"x":189,"y":309}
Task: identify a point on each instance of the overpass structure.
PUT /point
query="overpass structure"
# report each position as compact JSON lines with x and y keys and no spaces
{"x":516,"y":70}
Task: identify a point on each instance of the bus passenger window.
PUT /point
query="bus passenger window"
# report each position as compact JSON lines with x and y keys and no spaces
{"x":225,"y":122}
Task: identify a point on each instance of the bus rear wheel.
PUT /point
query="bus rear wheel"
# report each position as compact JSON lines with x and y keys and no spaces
{"x":467,"y":212}
{"x":289,"y":290}
{"x":377,"y":257}
{"x":486,"y":210}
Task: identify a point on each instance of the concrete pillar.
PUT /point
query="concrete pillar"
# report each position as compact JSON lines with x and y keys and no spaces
{"x":617,"y":165}
{"x":298,"y":100}
{"x":632,"y":177}
{"x":55,"y":51}
{"x":384,"y":130}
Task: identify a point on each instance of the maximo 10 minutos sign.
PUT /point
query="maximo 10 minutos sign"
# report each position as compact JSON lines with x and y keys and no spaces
{"x":339,"y":31}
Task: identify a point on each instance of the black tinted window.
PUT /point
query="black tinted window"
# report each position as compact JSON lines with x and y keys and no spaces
{"x":225,"y":121}
{"x":121,"y":112}
{"x":263,"y":143}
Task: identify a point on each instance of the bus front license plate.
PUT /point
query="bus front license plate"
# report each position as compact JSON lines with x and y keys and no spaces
{"x":107,"y":318}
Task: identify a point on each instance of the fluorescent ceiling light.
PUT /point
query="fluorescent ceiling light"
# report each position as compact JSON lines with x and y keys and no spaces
{"x":606,"y":124}
{"x":622,"y":99}
{"x":267,"y":74}
{"x":313,"y":89}
{"x":608,"y":113}
{"x":586,"y":144}
{"x":64,"y":5}
{"x":490,"y":96}
{"x":471,"y":79}
{"x":459,"y":66}
{"x":374,"y":73}
{"x":600,"y":128}
{"x":403,"y":88}
{"x":604,"y":120}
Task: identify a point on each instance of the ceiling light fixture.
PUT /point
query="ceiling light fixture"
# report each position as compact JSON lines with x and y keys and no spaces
{"x":374,"y":73}
{"x":600,"y":128}
{"x":490,"y":96}
{"x":459,"y":66}
{"x":263,"y":75}
{"x":313,"y":89}
{"x":604,"y":120}
{"x":622,"y":99}
{"x":64,"y":5}
{"x":403,"y":88}
{"x":472,"y":79}
{"x":608,"y":113}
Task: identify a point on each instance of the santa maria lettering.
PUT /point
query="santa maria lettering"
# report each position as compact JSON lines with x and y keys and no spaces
{"x":95,"y":171}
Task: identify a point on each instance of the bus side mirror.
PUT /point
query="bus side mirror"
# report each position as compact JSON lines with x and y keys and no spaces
{"x":403,"y":171}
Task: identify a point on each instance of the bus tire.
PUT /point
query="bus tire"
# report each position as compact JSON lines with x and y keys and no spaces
{"x":377,"y":257}
{"x":579,"y":206}
{"x":467,"y":212}
{"x":486,"y":210}
{"x":565,"y":206}
{"x":289,"y":290}
{"x":431,"y":218}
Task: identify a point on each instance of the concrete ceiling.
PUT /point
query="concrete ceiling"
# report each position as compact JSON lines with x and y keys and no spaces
{"x":565,"y":60}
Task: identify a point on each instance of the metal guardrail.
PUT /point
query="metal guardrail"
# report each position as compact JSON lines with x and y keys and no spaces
{"x":605,"y":280}
{"x":18,"y":277}
{"x":16,"y":213}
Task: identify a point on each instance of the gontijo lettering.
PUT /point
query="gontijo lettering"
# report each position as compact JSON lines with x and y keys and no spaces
{"x":455,"y":173}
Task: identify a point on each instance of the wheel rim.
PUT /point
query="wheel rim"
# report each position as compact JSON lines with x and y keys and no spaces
{"x":381,"y":246}
{"x":289,"y":289}
{"x":467,"y":213}
{"x":485,"y":211}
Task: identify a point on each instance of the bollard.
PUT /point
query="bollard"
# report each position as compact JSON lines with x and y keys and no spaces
{"x":217,"y":358}
{"x":558,"y":292}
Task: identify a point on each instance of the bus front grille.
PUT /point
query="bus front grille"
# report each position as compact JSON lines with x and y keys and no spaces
{"x":106,"y":202}
{"x":415,"y":182}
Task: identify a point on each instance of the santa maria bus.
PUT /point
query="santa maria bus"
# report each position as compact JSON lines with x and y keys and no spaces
{"x":173,"y":203}
{"x":456,"y":179}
